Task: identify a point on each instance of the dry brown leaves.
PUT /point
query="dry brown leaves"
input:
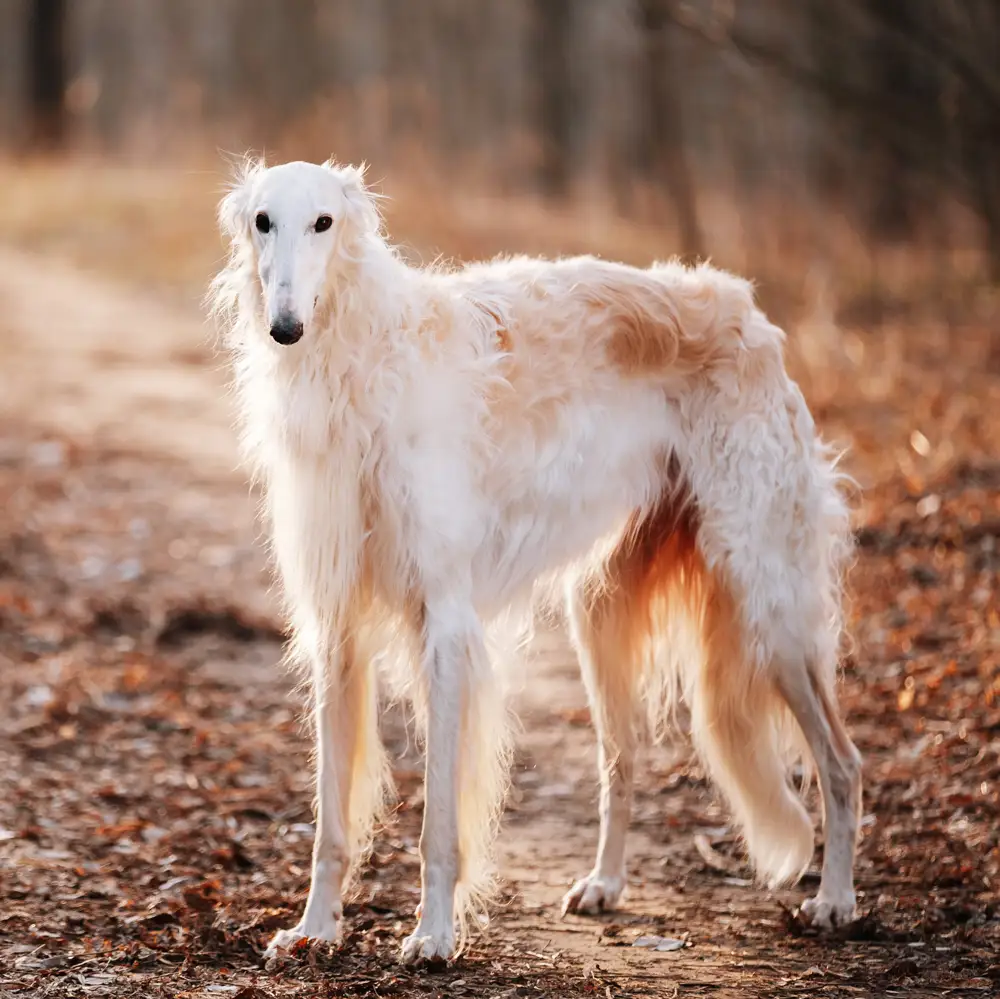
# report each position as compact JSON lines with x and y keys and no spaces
{"x":154,"y":824}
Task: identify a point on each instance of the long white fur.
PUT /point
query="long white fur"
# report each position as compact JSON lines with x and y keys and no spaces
{"x":441,"y":440}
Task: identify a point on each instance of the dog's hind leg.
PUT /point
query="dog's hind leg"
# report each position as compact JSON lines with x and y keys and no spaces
{"x":609,"y":616}
{"x":595,"y":623}
{"x":775,"y":533}
{"x":624,"y":621}
{"x":838,"y":764}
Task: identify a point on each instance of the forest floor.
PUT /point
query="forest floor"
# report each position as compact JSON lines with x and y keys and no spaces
{"x":155,"y":819}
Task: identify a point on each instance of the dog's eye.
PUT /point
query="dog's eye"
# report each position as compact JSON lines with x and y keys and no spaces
{"x":323,"y":223}
{"x":262,"y":222}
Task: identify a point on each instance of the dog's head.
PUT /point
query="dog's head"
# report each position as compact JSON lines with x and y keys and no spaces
{"x":299,"y":221}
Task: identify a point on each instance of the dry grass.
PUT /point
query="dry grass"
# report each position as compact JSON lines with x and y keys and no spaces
{"x":155,"y":225}
{"x":148,"y":226}
{"x":865,"y":326}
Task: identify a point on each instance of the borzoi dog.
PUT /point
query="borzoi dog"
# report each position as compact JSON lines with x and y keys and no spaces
{"x":433,"y":443}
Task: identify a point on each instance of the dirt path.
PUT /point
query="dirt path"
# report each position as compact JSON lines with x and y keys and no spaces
{"x":101,"y":363}
{"x":158,"y":825}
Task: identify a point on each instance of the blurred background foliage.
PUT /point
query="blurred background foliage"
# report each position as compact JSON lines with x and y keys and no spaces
{"x":756,"y":131}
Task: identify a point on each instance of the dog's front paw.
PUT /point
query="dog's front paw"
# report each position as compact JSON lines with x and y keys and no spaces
{"x":422,"y":946}
{"x":285,"y":940}
{"x":593,"y":894}
{"x":827,"y":911}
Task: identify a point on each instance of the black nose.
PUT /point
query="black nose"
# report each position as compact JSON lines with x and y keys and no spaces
{"x":286,"y":330}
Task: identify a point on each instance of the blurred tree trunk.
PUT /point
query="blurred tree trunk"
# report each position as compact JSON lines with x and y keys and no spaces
{"x":989,"y":209}
{"x":983,"y":126}
{"x":897,"y":70}
{"x":47,"y":72}
{"x":556,"y":99}
{"x":662,"y":152}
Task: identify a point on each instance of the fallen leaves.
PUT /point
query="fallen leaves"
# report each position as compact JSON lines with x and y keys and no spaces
{"x":203,"y":897}
{"x":157,"y":824}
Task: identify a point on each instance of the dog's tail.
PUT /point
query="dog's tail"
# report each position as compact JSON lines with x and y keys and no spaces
{"x":747,"y":739}
{"x":687,"y":642}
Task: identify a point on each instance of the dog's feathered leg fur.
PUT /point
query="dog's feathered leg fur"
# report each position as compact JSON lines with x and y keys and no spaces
{"x":340,"y":694}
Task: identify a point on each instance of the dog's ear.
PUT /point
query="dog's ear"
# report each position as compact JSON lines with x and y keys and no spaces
{"x":360,"y":203}
{"x":233,"y":213}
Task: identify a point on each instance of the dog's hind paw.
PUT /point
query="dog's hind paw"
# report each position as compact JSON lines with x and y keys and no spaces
{"x":286,"y":940}
{"x":827,"y":912}
{"x":593,"y":894}
{"x":422,"y":947}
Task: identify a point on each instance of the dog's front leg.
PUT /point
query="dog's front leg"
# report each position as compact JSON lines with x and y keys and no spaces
{"x":446,"y":668}
{"x":339,"y":691}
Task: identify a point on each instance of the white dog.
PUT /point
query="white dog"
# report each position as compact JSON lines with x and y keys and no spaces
{"x":434,"y":442}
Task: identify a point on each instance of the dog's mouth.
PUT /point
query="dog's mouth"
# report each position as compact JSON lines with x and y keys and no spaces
{"x":286,"y":330}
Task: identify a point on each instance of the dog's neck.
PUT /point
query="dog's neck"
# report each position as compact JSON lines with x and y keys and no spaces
{"x":367,"y":296}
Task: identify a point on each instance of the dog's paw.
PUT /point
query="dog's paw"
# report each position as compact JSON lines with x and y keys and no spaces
{"x":593,"y":894}
{"x":827,"y":911}
{"x":422,"y":946}
{"x":285,"y":940}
